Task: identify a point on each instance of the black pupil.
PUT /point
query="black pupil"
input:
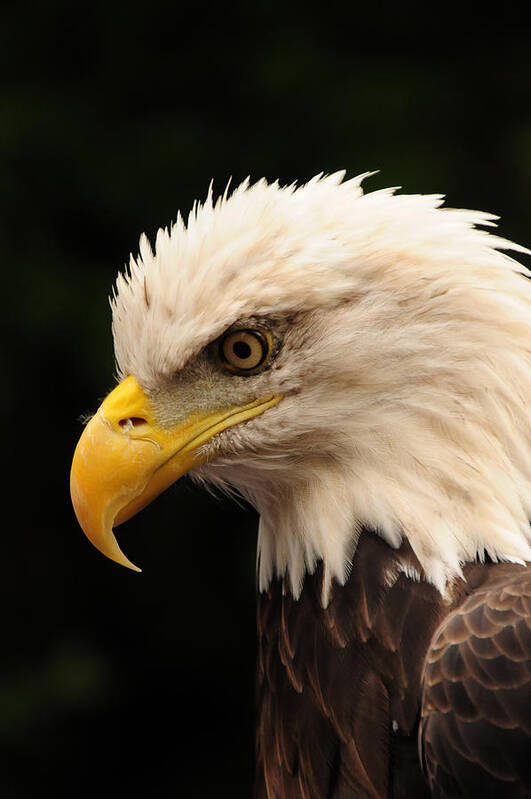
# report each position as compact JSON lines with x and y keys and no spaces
{"x":241,"y":350}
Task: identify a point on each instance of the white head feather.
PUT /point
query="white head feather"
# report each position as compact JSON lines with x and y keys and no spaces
{"x":405,"y":369}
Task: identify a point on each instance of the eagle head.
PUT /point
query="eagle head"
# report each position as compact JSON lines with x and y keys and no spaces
{"x":340,"y":359}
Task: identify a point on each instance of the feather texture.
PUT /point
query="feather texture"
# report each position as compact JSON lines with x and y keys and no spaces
{"x":476,"y":705}
{"x":339,"y":688}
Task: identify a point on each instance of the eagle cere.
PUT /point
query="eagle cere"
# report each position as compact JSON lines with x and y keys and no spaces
{"x":357,"y":366}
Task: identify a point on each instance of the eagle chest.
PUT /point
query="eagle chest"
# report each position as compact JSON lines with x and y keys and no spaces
{"x":339,"y":687}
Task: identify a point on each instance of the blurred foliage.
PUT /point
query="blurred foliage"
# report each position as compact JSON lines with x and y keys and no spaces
{"x":113,"y":116}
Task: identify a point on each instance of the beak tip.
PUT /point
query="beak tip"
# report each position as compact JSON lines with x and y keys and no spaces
{"x":118,"y":556}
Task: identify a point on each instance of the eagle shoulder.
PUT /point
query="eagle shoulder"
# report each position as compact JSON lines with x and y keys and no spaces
{"x":475,"y":730}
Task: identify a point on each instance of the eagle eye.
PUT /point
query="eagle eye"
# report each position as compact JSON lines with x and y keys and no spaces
{"x":244,"y":351}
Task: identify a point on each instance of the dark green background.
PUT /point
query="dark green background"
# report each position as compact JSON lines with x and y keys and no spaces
{"x":113,"y":116}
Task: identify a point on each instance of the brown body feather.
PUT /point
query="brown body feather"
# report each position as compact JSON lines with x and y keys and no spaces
{"x":476,"y":706}
{"x":339,"y":688}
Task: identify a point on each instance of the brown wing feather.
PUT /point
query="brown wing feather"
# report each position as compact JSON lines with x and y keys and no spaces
{"x":332,"y":681}
{"x":475,"y":732}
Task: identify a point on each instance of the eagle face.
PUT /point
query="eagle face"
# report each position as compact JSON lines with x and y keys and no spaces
{"x":341,"y":360}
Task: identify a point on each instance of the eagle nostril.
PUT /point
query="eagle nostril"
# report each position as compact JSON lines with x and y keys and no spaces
{"x":131,"y":422}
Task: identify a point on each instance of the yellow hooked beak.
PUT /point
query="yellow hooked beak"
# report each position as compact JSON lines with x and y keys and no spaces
{"x":124,"y":459}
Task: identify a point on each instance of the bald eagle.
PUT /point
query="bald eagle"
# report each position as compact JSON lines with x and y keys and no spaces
{"x":357,"y":366}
